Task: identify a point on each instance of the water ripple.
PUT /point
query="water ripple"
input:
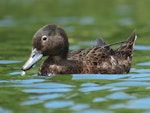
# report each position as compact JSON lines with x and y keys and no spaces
{"x":144,"y":64}
{"x":142,"y":103}
{"x":58,"y":104}
{"x":90,"y":89}
{"x":98,"y":76}
{"x":120,"y":96}
{"x":7,"y":21}
{"x":94,"y":111}
{"x":2,"y":110}
{"x":125,"y":21}
{"x":41,"y":91}
{"x":123,"y":9}
{"x":80,"y":20}
{"x":99,"y":99}
{"x":39,"y":99}
{"x":128,"y":84}
{"x":141,"y":47}
{"x":144,"y":76}
{"x":39,"y":84}
{"x":9,"y":61}
{"x":78,"y":107}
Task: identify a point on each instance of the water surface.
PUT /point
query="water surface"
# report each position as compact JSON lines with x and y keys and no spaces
{"x":83,"y":22}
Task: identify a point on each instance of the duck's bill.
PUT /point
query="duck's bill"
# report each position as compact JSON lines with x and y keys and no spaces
{"x":34,"y":58}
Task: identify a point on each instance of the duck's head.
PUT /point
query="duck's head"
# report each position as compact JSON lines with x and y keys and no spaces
{"x":50,"y":40}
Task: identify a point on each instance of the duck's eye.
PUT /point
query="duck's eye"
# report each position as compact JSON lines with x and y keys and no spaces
{"x":44,"y":38}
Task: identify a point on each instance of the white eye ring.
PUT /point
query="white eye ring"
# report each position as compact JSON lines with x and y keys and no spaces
{"x":44,"y":38}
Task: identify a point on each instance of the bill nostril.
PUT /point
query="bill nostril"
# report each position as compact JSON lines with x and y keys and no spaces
{"x":33,"y":55}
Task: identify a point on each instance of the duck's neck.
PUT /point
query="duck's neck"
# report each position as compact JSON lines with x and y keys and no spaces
{"x":54,"y":59}
{"x":57,"y":58}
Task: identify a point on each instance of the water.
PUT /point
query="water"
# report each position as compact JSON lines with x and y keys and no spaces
{"x":76,"y":93}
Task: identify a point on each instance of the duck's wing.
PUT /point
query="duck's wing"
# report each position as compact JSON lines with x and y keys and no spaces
{"x":100,"y":42}
{"x":75,"y":52}
{"x":94,"y":59}
{"x":93,"y":54}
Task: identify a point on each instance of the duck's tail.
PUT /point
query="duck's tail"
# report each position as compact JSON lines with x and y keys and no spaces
{"x":126,"y":48}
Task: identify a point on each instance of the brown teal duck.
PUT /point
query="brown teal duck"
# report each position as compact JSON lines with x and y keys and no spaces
{"x":52,"y":41}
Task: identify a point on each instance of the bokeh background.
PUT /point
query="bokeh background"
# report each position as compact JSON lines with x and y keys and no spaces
{"x":84,"y":21}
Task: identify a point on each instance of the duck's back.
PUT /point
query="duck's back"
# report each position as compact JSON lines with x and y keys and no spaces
{"x":102,"y":59}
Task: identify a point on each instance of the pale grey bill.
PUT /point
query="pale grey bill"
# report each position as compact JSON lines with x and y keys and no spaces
{"x":34,"y":58}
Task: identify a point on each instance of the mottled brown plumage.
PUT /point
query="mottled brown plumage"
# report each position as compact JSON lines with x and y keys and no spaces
{"x":52,"y":41}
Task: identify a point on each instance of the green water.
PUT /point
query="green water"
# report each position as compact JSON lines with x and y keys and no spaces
{"x":84,"y":21}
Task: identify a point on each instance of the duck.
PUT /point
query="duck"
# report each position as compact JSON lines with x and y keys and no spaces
{"x":52,"y":41}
